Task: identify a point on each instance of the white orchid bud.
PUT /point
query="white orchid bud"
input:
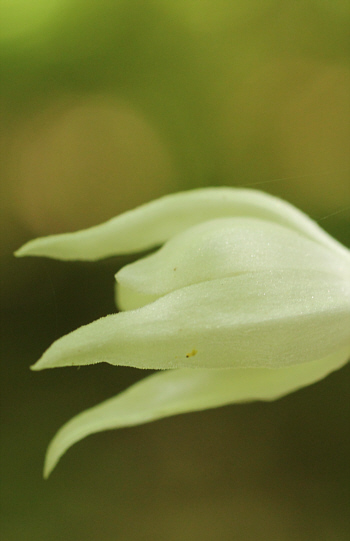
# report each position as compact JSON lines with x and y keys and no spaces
{"x":247,"y":299}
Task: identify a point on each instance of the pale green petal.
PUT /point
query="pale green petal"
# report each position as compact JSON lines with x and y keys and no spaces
{"x":179,"y":391}
{"x":262,"y":319}
{"x":225,"y":247}
{"x":153,"y":223}
{"x":130,"y":299}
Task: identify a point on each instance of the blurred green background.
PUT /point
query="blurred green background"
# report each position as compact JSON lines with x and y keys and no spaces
{"x":108,"y":104}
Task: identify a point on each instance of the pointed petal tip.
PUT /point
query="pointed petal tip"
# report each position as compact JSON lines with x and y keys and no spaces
{"x":21,"y":252}
{"x":47,"y":470}
{"x":36,"y":367}
{"x":55,"y":450}
{"x":50,"y":463}
{"x":31,"y":248}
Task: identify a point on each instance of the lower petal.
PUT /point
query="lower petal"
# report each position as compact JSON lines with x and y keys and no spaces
{"x":178,"y":391}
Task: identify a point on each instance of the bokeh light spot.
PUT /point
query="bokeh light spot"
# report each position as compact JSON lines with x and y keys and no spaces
{"x":80,"y":164}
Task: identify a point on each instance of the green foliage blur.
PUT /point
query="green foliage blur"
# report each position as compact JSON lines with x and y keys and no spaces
{"x":106,"y":105}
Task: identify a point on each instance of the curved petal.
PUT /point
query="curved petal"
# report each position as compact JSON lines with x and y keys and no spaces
{"x":179,"y":391}
{"x":153,"y":223}
{"x":262,"y":319}
{"x":226,"y":247}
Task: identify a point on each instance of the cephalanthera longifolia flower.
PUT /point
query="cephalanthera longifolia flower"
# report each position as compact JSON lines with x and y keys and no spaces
{"x":247,"y":299}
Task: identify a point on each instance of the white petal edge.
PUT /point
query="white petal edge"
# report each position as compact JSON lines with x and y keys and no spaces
{"x":179,"y":391}
{"x":153,"y":223}
{"x":225,"y":247}
{"x":262,"y":319}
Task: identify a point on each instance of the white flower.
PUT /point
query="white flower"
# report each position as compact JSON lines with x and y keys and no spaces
{"x":248,"y":299}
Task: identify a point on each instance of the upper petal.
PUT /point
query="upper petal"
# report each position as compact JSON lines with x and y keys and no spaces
{"x":268,"y":319}
{"x":179,"y":391}
{"x":225,"y":247}
{"x":153,"y":223}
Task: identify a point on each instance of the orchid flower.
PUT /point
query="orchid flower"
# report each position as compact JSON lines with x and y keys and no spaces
{"x":246,"y":299}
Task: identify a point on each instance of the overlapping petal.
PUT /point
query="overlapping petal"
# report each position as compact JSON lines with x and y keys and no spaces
{"x":180,"y":391}
{"x":227,"y":247}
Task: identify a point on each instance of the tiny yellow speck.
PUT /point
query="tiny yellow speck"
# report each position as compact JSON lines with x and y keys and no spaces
{"x":192,"y":354}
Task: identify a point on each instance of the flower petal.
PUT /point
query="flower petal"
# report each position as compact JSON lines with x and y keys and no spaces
{"x":262,"y":319}
{"x":226,"y":247}
{"x":130,"y":299}
{"x":179,"y":391}
{"x":153,"y":223}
